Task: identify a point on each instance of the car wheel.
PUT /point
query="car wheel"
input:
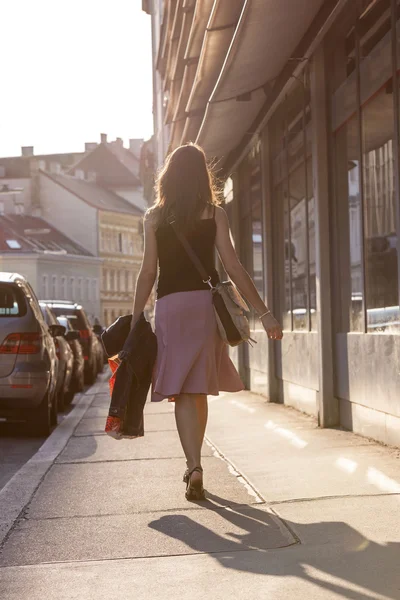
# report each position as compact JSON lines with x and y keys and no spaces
{"x":40,"y":424}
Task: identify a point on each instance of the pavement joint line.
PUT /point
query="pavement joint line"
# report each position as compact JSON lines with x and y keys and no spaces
{"x":333,"y":497}
{"x":152,"y":556}
{"x":251,"y":489}
{"x":196,"y":507}
{"x":250,"y":486}
{"x":18,"y":492}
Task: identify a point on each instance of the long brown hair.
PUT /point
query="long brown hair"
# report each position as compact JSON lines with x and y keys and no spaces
{"x":185,"y":186}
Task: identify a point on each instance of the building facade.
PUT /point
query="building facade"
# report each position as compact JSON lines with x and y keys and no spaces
{"x":299,"y":104}
{"x":106,"y":225}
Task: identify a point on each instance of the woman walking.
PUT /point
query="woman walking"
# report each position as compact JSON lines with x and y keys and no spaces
{"x":192,"y":359}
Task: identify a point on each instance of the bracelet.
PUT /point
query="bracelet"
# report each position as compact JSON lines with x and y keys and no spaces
{"x":268,"y":312}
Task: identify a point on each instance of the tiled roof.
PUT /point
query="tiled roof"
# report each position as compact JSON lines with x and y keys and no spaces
{"x":95,"y":195}
{"x":21,"y":234}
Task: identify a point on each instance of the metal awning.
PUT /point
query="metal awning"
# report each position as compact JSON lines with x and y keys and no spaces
{"x":265,"y":38}
{"x":221,"y":26}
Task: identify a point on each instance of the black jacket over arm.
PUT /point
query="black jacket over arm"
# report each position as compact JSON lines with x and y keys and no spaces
{"x":137,"y":352}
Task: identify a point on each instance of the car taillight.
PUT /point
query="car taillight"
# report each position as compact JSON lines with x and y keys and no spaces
{"x":84,"y":333}
{"x":10,"y":344}
{"x":21,"y":343}
{"x":57,"y":345}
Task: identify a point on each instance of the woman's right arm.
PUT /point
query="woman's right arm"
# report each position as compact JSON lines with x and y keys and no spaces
{"x":240,"y":276}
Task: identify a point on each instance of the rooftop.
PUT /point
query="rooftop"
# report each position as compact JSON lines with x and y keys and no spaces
{"x":22,"y":234}
{"x":95,"y":195}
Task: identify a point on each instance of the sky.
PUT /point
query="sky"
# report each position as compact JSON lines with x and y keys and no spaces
{"x":72,"y":70}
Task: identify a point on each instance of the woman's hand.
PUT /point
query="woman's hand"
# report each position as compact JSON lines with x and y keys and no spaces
{"x":272,"y":327}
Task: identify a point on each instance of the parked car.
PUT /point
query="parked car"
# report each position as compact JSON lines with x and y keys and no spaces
{"x":78,"y":377}
{"x":98,"y":329}
{"x":65,"y":358}
{"x":28,"y":361}
{"x":80,"y":322}
{"x":99,"y":354}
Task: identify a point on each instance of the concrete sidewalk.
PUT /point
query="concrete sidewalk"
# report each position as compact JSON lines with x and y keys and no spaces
{"x":292,"y":511}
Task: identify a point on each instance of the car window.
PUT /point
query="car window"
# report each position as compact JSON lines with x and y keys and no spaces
{"x":64,"y":321}
{"x":76,"y":316}
{"x":12,"y":301}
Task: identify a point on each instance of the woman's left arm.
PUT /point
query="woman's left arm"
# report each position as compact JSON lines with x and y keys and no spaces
{"x":148,"y":270}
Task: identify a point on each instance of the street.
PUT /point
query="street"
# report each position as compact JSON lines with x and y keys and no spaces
{"x":292,"y":510}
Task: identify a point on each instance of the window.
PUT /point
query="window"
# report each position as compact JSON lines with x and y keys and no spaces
{"x":294,"y":207}
{"x":12,"y":301}
{"x":120,"y":242}
{"x":88,"y":290}
{"x":72,"y":288}
{"x":13,"y":244}
{"x":127,"y":288}
{"x":45,"y":287}
{"x":63,"y":288}
{"x":364,"y":135}
{"x":54,"y":287}
{"x":80,"y":288}
{"x":112,"y":280}
{"x":95,"y":292}
{"x":228,"y":190}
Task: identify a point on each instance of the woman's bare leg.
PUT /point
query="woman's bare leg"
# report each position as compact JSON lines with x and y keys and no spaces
{"x":202,"y":415}
{"x":191,"y":428}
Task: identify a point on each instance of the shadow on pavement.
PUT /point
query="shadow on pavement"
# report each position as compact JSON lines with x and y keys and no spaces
{"x":352,"y":558}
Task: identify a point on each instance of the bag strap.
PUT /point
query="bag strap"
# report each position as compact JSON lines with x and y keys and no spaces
{"x":191,"y":254}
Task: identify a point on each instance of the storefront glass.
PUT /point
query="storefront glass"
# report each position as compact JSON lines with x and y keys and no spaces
{"x":294,"y":204}
{"x":364,"y":137}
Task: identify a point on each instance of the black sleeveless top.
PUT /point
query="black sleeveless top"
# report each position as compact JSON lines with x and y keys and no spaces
{"x":177,"y":273}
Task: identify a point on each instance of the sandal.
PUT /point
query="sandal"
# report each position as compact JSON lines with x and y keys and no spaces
{"x":195,"y":490}
{"x":186,"y":476}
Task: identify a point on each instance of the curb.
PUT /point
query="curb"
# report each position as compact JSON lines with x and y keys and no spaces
{"x":18,"y":491}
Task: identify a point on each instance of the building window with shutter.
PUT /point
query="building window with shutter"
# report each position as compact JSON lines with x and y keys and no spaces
{"x":63,"y":288}
{"x":54,"y":290}
{"x":45,"y":287}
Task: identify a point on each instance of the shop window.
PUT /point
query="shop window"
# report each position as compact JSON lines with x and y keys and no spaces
{"x":363,"y":123}
{"x":251,"y":228}
{"x":294,"y":208}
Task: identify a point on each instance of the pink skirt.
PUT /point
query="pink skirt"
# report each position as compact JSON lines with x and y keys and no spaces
{"x":191,"y":356}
